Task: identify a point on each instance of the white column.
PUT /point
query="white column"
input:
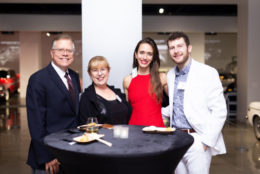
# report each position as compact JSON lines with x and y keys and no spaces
{"x":248,"y":55}
{"x":111,"y":29}
{"x":30,"y":56}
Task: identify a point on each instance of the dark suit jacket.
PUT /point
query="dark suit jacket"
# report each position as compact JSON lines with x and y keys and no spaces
{"x":49,"y":109}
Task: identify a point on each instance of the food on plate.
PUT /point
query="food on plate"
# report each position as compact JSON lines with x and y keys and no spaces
{"x":169,"y":129}
{"x":84,"y":138}
{"x":87,"y":137}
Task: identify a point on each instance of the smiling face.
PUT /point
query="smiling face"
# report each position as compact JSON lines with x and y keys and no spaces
{"x":144,"y":56}
{"x":99,"y":75}
{"x":62,"y":53}
{"x":179,"y":52}
{"x":98,"y":69}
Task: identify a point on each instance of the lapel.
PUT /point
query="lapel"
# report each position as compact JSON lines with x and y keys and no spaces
{"x":56,"y":79}
{"x":190,"y":82}
{"x":171,"y":86}
{"x":170,"y":82}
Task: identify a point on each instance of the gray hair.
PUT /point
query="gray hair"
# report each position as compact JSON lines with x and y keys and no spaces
{"x":62,"y":37}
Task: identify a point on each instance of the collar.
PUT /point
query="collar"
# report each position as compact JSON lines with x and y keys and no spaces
{"x":59,"y":70}
{"x":184,"y":71}
{"x":90,"y":90}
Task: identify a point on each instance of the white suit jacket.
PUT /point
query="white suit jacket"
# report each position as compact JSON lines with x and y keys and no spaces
{"x":204,"y":104}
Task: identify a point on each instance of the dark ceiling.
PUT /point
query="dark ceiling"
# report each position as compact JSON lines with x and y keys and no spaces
{"x":147,"y":9}
{"x":191,"y":10}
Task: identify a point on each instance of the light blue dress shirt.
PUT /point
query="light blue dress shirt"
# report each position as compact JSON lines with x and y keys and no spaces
{"x":179,"y":119}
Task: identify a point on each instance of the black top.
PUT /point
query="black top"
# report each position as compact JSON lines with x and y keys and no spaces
{"x":117,"y":112}
{"x":112,"y":112}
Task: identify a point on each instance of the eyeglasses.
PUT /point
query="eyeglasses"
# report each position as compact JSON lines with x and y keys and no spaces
{"x":62,"y":51}
{"x":97,"y":71}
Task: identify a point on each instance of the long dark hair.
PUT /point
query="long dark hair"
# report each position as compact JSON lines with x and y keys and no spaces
{"x":155,"y":82}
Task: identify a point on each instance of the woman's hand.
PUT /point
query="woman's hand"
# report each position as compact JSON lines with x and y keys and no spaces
{"x":163,"y":78}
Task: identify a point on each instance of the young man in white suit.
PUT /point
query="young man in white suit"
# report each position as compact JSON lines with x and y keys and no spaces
{"x":196,"y":106}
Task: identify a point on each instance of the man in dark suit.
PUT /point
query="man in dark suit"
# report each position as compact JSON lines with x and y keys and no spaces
{"x":52,"y":101}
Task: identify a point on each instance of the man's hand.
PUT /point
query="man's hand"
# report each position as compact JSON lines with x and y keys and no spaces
{"x":52,"y":167}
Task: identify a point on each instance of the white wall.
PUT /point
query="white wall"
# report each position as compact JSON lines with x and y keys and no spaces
{"x":253,"y":50}
{"x":30,"y":57}
{"x":248,"y":54}
{"x":108,"y":34}
{"x":197,"y":41}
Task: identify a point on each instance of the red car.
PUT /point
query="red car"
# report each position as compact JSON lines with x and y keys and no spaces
{"x":10,"y":81}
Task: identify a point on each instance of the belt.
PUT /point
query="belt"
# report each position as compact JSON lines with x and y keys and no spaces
{"x":187,"y":130}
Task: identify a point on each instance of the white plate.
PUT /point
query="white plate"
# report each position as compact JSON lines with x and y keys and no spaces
{"x":87,"y":137}
{"x":154,"y":129}
{"x":84,"y":127}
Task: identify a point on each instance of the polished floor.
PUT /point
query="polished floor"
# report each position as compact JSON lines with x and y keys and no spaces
{"x":243,"y":149}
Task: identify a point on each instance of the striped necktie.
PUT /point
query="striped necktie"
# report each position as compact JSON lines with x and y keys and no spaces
{"x":71,"y":89}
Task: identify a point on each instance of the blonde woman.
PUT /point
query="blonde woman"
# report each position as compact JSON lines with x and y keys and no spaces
{"x":101,"y":100}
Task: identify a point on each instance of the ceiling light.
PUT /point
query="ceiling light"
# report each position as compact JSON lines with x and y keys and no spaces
{"x":161,"y":10}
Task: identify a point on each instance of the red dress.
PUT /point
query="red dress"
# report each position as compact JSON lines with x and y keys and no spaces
{"x":146,"y":111}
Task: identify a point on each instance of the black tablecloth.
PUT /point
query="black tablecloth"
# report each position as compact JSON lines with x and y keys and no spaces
{"x":140,"y":153}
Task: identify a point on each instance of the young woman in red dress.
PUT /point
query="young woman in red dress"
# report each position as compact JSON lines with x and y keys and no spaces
{"x":144,"y":87}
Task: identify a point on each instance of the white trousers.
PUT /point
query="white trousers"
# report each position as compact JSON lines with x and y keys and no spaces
{"x":196,"y":160}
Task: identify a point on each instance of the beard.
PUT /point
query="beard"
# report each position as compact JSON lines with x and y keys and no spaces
{"x":183,"y":61}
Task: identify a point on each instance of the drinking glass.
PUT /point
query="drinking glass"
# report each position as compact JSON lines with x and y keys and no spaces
{"x":117,"y":131}
{"x":92,"y":125}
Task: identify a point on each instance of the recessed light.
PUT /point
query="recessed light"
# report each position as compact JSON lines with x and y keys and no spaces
{"x":161,"y":10}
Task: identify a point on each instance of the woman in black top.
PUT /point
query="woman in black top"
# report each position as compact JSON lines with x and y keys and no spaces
{"x":100,"y":100}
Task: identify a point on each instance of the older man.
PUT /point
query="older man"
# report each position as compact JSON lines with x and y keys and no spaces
{"x":52,"y":101}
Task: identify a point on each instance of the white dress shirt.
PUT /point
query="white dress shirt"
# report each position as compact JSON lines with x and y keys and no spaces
{"x":61,"y":74}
